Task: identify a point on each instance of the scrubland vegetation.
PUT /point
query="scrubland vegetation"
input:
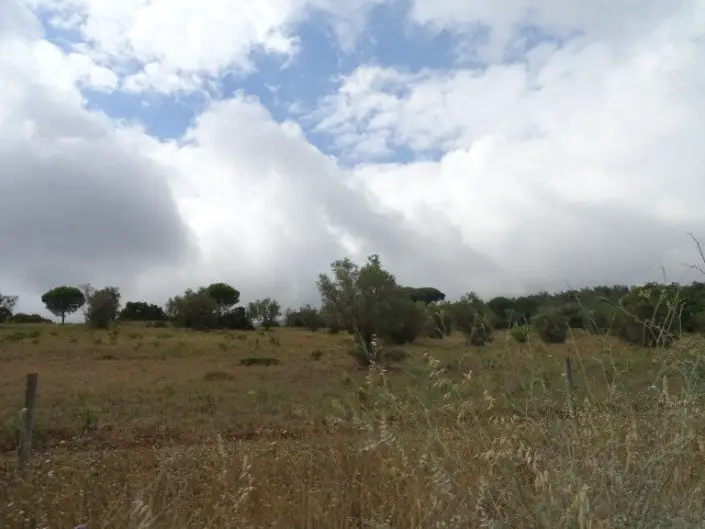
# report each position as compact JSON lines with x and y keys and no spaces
{"x":386,"y":406}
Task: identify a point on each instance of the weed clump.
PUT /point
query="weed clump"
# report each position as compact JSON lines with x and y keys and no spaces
{"x":551,"y":325}
{"x":259,"y":361}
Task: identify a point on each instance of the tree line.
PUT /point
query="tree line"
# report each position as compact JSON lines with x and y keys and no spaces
{"x":368,"y":302}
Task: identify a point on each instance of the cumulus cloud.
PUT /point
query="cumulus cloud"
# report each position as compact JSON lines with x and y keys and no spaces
{"x":76,"y":203}
{"x":271,"y":211}
{"x":578,"y":164}
{"x":494,"y":29}
{"x":179,"y":45}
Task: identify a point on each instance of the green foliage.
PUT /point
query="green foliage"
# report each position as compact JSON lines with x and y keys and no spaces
{"x":306,"y":317}
{"x":63,"y":300}
{"x":600,"y":319}
{"x":265,"y":312}
{"x":236,"y":319}
{"x":102,"y":306}
{"x":574,"y":313}
{"x":520,"y":333}
{"x":7,"y":305}
{"x":224,"y":295}
{"x":259,"y":361}
{"x":649,"y":315}
{"x":503,"y":308}
{"x":367,"y":301}
{"x":439,"y":320}
{"x":413,"y":318}
{"x":693,"y":307}
{"x":383,"y":356}
{"x":142,"y":311}
{"x":426,"y":295}
{"x":23,"y":318}
{"x":199,"y":310}
{"x":551,"y":325}
{"x":474,"y":319}
{"x":195,"y":309}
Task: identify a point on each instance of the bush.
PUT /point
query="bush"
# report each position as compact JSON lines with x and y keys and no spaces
{"x":142,"y":311}
{"x":102,"y":307}
{"x":551,"y":325}
{"x":307,"y":317}
{"x":259,"y":361}
{"x":574,"y":314}
{"x":599,"y":320}
{"x":157,"y":324}
{"x":236,"y":319}
{"x":22,"y":318}
{"x":194,"y":310}
{"x":439,"y":320}
{"x":520,"y":333}
{"x":384,"y":356}
{"x":412,"y":322}
{"x":474,"y":319}
{"x":648,"y":316}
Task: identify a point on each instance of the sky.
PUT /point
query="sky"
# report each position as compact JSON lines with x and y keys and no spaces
{"x":499,"y":147}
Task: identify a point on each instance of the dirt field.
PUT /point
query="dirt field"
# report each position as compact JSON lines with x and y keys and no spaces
{"x":166,"y":428}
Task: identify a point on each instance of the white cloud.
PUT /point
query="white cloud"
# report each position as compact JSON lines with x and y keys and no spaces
{"x":600,"y":20}
{"x":267,"y":210}
{"x":583,"y":165}
{"x":175,"y":45}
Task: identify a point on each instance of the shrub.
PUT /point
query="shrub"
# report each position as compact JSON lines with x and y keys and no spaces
{"x":23,"y":318}
{"x":218,"y":376}
{"x":383,"y":356}
{"x":439,"y":320}
{"x":259,"y":361}
{"x":16,"y":336}
{"x":264,"y":312}
{"x":236,"y":319}
{"x":520,"y":333}
{"x":194,"y":310}
{"x":474,"y":319}
{"x":142,"y":311}
{"x":368,"y":301}
{"x":102,"y":307}
{"x":157,"y":324}
{"x":648,"y":315}
{"x":599,"y":320}
{"x":574,"y":314}
{"x":551,"y":325}
{"x":306,"y":317}
{"x":412,"y":318}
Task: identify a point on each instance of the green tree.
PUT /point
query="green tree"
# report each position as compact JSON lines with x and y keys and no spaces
{"x":7,"y":305}
{"x":102,"y":306}
{"x":306,"y":316}
{"x":142,"y":311}
{"x":648,"y":315}
{"x":236,"y":318}
{"x":63,"y":300}
{"x":365,"y":300}
{"x":426,"y":294}
{"x":265,"y":312}
{"x":224,"y":295}
{"x":195,"y":309}
{"x":551,"y":325}
{"x":474,"y":319}
{"x":503,"y":308}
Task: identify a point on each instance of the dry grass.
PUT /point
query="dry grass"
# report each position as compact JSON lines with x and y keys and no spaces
{"x":162,"y":428}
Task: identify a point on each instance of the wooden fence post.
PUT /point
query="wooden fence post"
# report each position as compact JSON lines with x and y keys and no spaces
{"x":27,"y":426}
{"x":568,"y":373}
